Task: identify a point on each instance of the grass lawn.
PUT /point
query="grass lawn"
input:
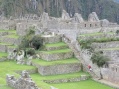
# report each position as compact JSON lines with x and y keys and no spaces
{"x":9,"y":67}
{"x":57,"y":51}
{"x":38,"y":78}
{"x":56,"y":44}
{"x":2,"y":54}
{"x":88,"y":84}
{"x":46,"y":63}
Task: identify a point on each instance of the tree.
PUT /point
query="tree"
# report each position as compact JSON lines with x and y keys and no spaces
{"x":100,"y":60}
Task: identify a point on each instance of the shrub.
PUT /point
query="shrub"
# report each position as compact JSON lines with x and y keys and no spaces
{"x":36,"y":42}
{"x":30,"y":51}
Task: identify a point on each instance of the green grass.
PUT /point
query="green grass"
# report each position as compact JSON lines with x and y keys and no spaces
{"x":47,"y":63}
{"x":10,"y":31}
{"x":9,"y":67}
{"x":88,"y":84}
{"x":110,"y":49}
{"x":5,"y":87}
{"x":56,"y":44}
{"x":2,"y":54}
{"x":38,"y":78}
{"x":94,"y":34}
{"x":13,"y":36}
{"x":57,"y":51}
{"x":5,"y":44}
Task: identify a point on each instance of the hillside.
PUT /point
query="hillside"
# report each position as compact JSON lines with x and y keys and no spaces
{"x":104,"y":8}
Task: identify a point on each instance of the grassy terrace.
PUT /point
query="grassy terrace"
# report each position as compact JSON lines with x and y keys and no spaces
{"x":57,"y":51}
{"x":38,"y":78}
{"x":9,"y":67}
{"x":56,"y":44}
{"x":13,"y":36}
{"x":65,"y":61}
{"x":5,"y":44}
{"x":2,"y":54}
{"x":94,"y":34}
{"x":88,"y":84}
{"x":110,"y":49}
{"x":10,"y":31}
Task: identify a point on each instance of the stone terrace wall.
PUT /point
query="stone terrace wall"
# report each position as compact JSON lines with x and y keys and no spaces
{"x":51,"y":39}
{"x":112,"y":44}
{"x":111,"y":75}
{"x":112,"y":54}
{"x":103,"y":35}
{"x":76,"y":79}
{"x":55,"y":56}
{"x":24,"y":82}
{"x":59,"y":69}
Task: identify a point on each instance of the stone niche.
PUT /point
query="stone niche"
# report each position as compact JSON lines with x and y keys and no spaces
{"x":59,"y":69}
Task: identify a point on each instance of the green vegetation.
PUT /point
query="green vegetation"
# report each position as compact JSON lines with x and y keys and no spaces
{"x":100,"y":60}
{"x":57,"y":51}
{"x":2,"y":54}
{"x":88,"y":84}
{"x":38,"y":78}
{"x":13,"y":36}
{"x":64,"y":61}
{"x":9,"y":67}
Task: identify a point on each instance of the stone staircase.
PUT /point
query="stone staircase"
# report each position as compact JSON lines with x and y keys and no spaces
{"x":57,"y":58}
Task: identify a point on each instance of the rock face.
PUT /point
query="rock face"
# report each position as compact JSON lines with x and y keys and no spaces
{"x":24,"y":82}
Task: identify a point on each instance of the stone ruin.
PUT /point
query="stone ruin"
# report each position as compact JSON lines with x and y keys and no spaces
{"x":24,"y":82}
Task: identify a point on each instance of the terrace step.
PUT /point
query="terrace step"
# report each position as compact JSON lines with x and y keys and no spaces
{"x":3,"y":56}
{"x":56,"y":54}
{"x":107,"y":45}
{"x":57,"y":67}
{"x":72,"y":77}
{"x":56,"y":46}
{"x":10,"y":39}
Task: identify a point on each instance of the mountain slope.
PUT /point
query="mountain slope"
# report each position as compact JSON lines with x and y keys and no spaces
{"x":104,"y":8}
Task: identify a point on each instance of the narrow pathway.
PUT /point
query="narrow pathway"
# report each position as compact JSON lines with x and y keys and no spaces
{"x":115,"y":86}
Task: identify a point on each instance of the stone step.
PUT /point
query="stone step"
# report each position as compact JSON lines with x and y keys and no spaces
{"x":56,"y":54}
{"x":51,"y":39}
{"x":57,"y":67}
{"x":56,"y":46}
{"x":10,"y":39}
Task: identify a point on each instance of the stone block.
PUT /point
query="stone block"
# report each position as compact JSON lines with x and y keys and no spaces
{"x":59,"y":69}
{"x":55,"y":56}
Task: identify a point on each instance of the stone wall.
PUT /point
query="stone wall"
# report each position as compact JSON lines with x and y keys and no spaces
{"x":51,"y":39}
{"x":9,"y":40}
{"x":111,"y":74}
{"x":113,"y":44}
{"x":3,"y":33}
{"x":75,"y":79}
{"x":55,"y":56}
{"x":3,"y":48}
{"x":24,"y":82}
{"x":59,"y":69}
{"x":112,"y":54}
